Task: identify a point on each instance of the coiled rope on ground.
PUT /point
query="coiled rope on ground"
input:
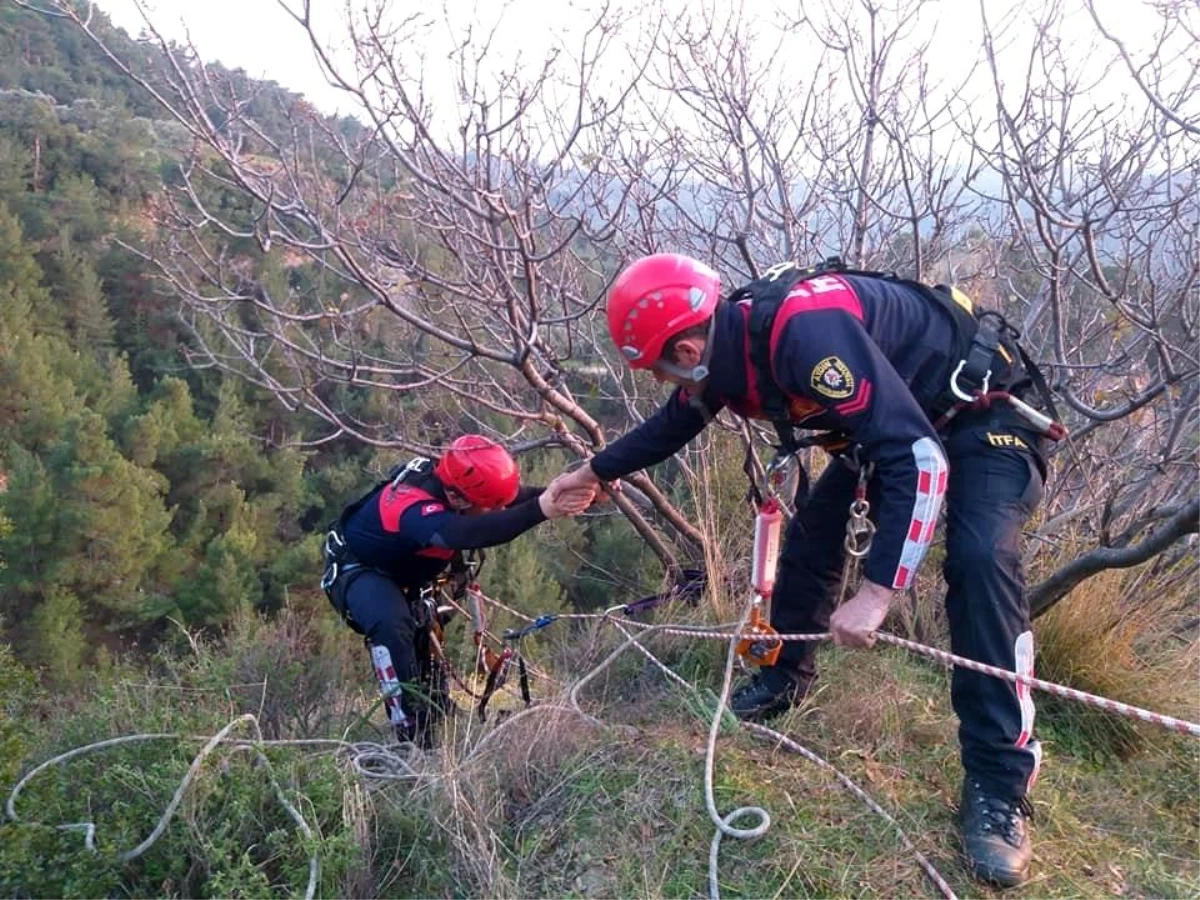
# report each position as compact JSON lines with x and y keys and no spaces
{"x":392,"y":762}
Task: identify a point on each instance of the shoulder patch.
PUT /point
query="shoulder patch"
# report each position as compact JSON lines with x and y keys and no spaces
{"x":430,"y":508}
{"x":832,"y":378}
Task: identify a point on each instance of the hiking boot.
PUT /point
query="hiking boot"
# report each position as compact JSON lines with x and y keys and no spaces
{"x":995,"y":835}
{"x":768,"y":694}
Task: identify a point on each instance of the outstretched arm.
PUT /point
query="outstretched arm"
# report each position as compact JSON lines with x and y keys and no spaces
{"x":446,"y":529}
{"x":676,"y":422}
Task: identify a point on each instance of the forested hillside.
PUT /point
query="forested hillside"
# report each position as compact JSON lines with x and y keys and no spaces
{"x":142,"y":486}
{"x":137,"y":488}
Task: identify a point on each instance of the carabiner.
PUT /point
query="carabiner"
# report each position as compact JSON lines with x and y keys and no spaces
{"x":959,"y":392}
{"x":860,"y":530}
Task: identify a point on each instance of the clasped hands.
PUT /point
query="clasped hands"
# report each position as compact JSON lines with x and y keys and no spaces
{"x":570,"y":493}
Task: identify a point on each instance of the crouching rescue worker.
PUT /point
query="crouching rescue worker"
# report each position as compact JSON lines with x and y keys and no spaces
{"x":925,"y":396}
{"x":387,"y":549}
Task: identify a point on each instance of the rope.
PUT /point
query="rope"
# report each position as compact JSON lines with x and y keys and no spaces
{"x":368,"y":759}
{"x":1126,"y":709}
{"x":395,"y":762}
{"x":1115,"y":706}
{"x":724,"y":824}
{"x":862,"y":795}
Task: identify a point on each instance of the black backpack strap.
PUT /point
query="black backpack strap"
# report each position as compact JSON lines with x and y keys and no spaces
{"x":1039,"y":381}
{"x":399,"y":474}
{"x":771,"y":395}
{"x":983,"y":338}
{"x":766,"y":296}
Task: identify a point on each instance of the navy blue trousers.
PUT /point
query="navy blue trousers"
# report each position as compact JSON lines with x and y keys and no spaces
{"x":379,"y":609}
{"x":994,"y":486}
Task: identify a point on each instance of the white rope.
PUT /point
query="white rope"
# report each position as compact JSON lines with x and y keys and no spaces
{"x":388,"y":763}
{"x":370,"y":760}
{"x":862,"y":795}
{"x":724,"y":824}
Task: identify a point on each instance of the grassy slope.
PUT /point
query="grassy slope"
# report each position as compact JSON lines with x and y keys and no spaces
{"x":631,"y":820}
{"x":551,"y":806}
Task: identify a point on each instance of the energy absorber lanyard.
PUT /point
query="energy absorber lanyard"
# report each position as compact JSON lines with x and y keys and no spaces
{"x":760,"y":645}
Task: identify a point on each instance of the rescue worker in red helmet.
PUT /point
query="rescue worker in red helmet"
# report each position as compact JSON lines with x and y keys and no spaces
{"x":387,"y":548}
{"x":875,"y":359}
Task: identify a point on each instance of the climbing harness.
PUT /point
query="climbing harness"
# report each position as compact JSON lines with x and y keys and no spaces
{"x":497,"y":665}
{"x":970,"y":382}
{"x":981,"y":338}
{"x":341,"y":566}
{"x":493,"y":664}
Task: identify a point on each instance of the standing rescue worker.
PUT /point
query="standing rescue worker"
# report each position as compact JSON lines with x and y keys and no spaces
{"x":387,"y":549}
{"x":878,"y":360}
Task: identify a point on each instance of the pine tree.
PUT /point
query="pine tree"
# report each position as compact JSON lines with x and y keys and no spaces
{"x":55,"y":638}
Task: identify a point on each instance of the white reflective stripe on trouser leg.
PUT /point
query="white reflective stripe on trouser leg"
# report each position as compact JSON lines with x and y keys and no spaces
{"x":389,"y":684}
{"x":1034,"y":748}
{"x":1023,"y":658}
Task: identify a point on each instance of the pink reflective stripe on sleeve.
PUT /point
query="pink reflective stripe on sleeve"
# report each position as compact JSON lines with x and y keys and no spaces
{"x":931,"y":487}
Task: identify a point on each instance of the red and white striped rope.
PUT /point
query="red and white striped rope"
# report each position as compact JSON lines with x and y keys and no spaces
{"x":1115,"y":706}
{"x":1181,"y":725}
{"x":1125,"y":709}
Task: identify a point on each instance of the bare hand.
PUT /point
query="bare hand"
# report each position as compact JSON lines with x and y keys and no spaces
{"x":582,"y":477}
{"x":563,"y":497}
{"x":854,"y":623}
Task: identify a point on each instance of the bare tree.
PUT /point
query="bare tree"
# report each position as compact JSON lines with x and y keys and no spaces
{"x":459,"y":257}
{"x":451,"y":248}
{"x":1103,"y":263}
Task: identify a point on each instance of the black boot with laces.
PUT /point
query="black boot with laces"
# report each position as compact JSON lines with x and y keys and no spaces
{"x":772,"y":691}
{"x":995,"y":833}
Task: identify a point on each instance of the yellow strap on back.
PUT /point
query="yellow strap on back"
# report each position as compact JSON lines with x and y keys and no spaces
{"x":962,"y":300}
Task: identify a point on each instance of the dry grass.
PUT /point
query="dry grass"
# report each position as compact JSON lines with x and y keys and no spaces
{"x":546,"y":806}
{"x":1123,"y":644}
{"x":547,"y":803}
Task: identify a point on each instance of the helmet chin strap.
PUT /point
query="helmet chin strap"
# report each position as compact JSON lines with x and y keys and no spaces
{"x":698,"y":372}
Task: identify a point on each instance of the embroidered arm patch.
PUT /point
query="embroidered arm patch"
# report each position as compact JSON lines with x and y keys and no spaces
{"x":832,"y":378}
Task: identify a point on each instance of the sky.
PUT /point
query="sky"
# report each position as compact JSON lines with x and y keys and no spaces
{"x":259,"y":36}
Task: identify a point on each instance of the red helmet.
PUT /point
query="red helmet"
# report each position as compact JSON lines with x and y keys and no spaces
{"x":481,"y":470}
{"x":657,"y":297}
